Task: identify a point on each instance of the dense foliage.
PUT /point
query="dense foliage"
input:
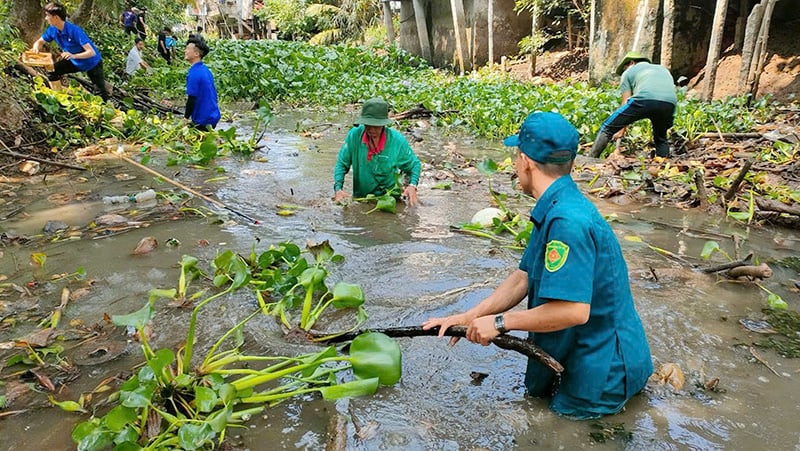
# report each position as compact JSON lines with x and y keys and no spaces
{"x":489,"y":103}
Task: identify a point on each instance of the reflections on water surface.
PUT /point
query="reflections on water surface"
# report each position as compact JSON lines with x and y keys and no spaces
{"x":404,"y":263}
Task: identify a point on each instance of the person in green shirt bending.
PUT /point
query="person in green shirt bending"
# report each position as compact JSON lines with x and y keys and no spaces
{"x":376,"y":153}
{"x":648,"y":92}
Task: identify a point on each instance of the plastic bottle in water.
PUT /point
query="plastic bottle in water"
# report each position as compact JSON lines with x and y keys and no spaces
{"x":141,"y":197}
{"x":144,"y":196}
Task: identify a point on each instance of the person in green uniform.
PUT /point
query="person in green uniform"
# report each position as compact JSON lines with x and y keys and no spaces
{"x":580,"y":308}
{"x":376,"y":153}
{"x":648,"y":92}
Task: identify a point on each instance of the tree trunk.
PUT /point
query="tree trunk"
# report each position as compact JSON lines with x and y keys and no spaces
{"x":457,"y":8}
{"x":741,"y":23}
{"x":387,"y":21}
{"x":761,"y":46}
{"x":82,"y":13}
{"x":490,"y":28}
{"x":534,"y":38}
{"x":27,"y":16}
{"x":667,"y":31}
{"x":422,"y":30}
{"x":717,"y":29}
{"x":748,"y":47}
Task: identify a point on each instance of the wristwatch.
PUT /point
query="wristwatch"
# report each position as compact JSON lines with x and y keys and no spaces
{"x":500,"y":324}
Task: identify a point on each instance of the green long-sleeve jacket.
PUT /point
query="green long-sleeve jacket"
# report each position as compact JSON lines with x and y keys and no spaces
{"x":375,"y":176}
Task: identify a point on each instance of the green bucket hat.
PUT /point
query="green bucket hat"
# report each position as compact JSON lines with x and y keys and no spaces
{"x":630,"y":56}
{"x":375,"y":112}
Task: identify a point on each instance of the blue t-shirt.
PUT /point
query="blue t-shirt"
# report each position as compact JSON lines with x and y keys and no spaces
{"x":574,"y":256}
{"x":72,"y":39}
{"x":200,"y":84}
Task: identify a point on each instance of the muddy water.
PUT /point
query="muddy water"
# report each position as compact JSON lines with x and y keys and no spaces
{"x":412,"y":266}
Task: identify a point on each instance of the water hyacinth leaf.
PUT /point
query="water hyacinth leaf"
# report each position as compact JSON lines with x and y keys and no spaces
{"x":376,"y":355}
{"x":119,"y":417}
{"x":205,"y":398}
{"x":219,"y":419}
{"x":709,"y":249}
{"x":227,"y":393}
{"x":162,"y":293}
{"x":487,"y":166}
{"x":193,"y":436}
{"x":137,"y":319}
{"x":347,"y":295}
{"x":162,"y":358}
{"x":95,"y":440}
{"x":387,"y":204}
{"x":352,"y":389}
{"x":124,"y":443}
{"x":322,"y":252}
{"x":312,"y":277}
{"x":136,"y":393}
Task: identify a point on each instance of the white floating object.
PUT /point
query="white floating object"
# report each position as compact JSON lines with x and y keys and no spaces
{"x":485,"y":217}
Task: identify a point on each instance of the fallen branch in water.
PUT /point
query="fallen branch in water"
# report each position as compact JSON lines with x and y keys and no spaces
{"x":509,"y":342}
{"x":779,"y":207}
{"x":729,"y":195}
{"x":729,"y":265}
{"x":761,"y":271}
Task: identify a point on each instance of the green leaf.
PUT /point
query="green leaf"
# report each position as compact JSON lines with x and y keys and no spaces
{"x":347,"y":295}
{"x":227,"y":393}
{"x":119,"y":417}
{"x":157,"y":293}
{"x":136,"y":393}
{"x":205,"y":398}
{"x":487,"y":167}
{"x":312,"y":277}
{"x":376,"y":355}
{"x":219,"y":419}
{"x":161,"y":359}
{"x":192,"y":436}
{"x":352,"y":389}
{"x":137,"y":319}
{"x":387,"y":204}
{"x":322,"y":252}
{"x":316,"y":360}
{"x":709,"y":249}
{"x":67,"y":406}
{"x":776,"y":302}
{"x":90,"y":436}
{"x":126,"y":440}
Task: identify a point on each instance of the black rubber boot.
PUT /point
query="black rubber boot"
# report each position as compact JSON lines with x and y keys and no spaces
{"x":600,"y":143}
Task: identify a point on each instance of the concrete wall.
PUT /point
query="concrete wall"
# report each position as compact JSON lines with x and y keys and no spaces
{"x":622,"y":26}
{"x":509,"y":29}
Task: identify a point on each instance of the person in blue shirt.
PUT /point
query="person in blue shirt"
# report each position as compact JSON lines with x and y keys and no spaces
{"x":580,"y":308}
{"x":201,"y":94}
{"x":78,"y":52}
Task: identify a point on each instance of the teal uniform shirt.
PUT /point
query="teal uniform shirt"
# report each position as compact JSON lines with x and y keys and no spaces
{"x":648,"y":81}
{"x":574,"y":256}
{"x":375,"y":176}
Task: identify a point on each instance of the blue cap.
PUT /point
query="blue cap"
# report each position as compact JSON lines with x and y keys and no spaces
{"x":547,"y":138}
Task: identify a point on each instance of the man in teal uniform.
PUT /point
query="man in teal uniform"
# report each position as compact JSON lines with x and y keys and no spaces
{"x":376,"y":154}
{"x":648,"y":92}
{"x":580,"y":307}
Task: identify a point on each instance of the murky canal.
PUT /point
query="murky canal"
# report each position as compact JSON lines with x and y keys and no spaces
{"x":412,"y":266}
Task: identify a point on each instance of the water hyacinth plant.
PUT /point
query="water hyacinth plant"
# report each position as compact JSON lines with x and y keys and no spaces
{"x":168,"y":403}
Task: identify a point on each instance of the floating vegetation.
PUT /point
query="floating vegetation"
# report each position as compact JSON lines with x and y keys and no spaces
{"x":787,"y":324}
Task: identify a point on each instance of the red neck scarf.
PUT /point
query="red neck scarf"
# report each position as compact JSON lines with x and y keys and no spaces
{"x":372,"y":151}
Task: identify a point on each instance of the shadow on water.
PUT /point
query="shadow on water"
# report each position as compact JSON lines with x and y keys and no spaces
{"x":405,"y":263}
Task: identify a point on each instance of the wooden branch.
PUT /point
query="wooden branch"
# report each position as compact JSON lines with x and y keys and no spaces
{"x":724,"y":136}
{"x":729,"y":265}
{"x":773,"y":205}
{"x":702,"y":197}
{"x":509,"y":342}
{"x":40,"y":160}
{"x":761,"y":271}
{"x":739,"y":179}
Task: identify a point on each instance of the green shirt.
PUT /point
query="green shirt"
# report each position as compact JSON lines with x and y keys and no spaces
{"x":648,"y":81}
{"x":377,"y":175}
